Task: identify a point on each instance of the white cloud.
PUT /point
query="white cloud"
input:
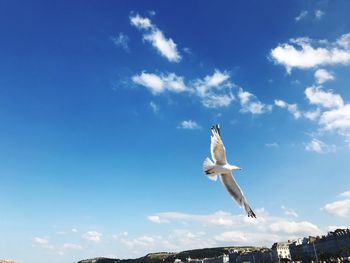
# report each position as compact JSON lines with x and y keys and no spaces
{"x":189,"y":125}
{"x":336,"y":119}
{"x":219,"y":218}
{"x":71,"y":246}
{"x":92,"y":236}
{"x":158,"y":84}
{"x":74,"y":230}
{"x":292,"y":227}
{"x":322,"y":75}
{"x":221,"y":229}
{"x":345,"y":194}
{"x":292,"y":108}
{"x":326,"y":99}
{"x":157,"y":219}
{"x":154,"y":107}
{"x":246,"y":238}
{"x":177,"y":239}
{"x":302,"y":15}
{"x":249,"y":103}
{"x":318,"y":146}
{"x":152,"y":34}
{"x":121,"y":40}
{"x":344,"y":41}
{"x":289,"y":212}
{"x":313,"y":114}
{"x":304,"y":53}
{"x":166,"y":47}
{"x":143,"y":241}
{"x":339,"y":208}
{"x":40,"y":240}
{"x":214,"y":90}
{"x":272,"y":145}
{"x":141,"y":22}
{"x":319,"y":14}
{"x":333,"y":114}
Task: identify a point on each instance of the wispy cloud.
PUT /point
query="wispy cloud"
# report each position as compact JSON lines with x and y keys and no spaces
{"x":152,"y":34}
{"x":292,"y":227}
{"x":327,"y":99}
{"x":322,"y":75}
{"x":250,"y":103}
{"x":319,"y":146}
{"x":292,"y":108}
{"x":289,"y":212}
{"x":41,"y":240}
{"x":312,"y":114}
{"x":154,"y":107}
{"x":121,"y":40}
{"x":339,"y":208}
{"x":189,"y":125}
{"x":160,"y":83}
{"x":332,"y":114}
{"x":319,"y":14}
{"x":272,"y":145}
{"x":337,"y":119}
{"x":304,"y":53}
{"x":242,"y":230}
{"x":93,"y":236}
{"x":141,"y":22}
{"x":157,"y":219}
{"x":214,"y":90}
{"x":71,"y":246}
{"x":302,"y":15}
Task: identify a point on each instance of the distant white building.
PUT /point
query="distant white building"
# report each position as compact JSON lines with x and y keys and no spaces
{"x":280,"y":250}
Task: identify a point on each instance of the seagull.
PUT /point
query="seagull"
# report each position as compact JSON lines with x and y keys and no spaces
{"x":220,"y":167}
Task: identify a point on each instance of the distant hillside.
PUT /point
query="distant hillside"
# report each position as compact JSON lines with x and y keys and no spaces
{"x":167,"y":257}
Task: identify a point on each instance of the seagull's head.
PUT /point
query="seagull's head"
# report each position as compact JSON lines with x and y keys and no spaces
{"x":234,"y":167}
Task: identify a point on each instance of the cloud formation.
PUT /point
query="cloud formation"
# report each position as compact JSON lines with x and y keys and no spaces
{"x":302,"y":15}
{"x":241,"y":230}
{"x":152,"y":34}
{"x":289,"y":212}
{"x":214,"y":90}
{"x":160,"y":83}
{"x":189,"y":125}
{"x":250,"y":103}
{"x":319,"y":14}
{"x":121,"y":40}
{"x":92,"y":236}
{"x":319,"y":146}
{"x":326,"y":99}
{"x":305,"y":53}
{"x":339,"y":208}
{"x":322,"y":75}
{"x":292,"y":108}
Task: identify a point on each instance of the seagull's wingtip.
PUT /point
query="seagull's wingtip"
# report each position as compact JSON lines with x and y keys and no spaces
{"x":251,"y":214}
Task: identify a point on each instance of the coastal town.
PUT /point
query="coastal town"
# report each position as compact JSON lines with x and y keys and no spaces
{"x":332,"y":247}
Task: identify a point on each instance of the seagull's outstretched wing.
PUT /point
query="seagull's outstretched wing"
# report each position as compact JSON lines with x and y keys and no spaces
{"x":236,"y":192}
{"x":217,"y":148}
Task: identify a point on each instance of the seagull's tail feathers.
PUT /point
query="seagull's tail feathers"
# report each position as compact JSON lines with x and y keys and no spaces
{"x":208,"y":168}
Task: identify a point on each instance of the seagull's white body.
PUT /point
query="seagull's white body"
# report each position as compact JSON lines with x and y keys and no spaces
{"x":220,"y":167}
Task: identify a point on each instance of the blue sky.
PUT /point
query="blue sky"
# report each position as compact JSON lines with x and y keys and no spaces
{"x":106,"y":109}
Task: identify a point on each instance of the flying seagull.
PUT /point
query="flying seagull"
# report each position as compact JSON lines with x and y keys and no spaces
{"x":224,"y":170}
